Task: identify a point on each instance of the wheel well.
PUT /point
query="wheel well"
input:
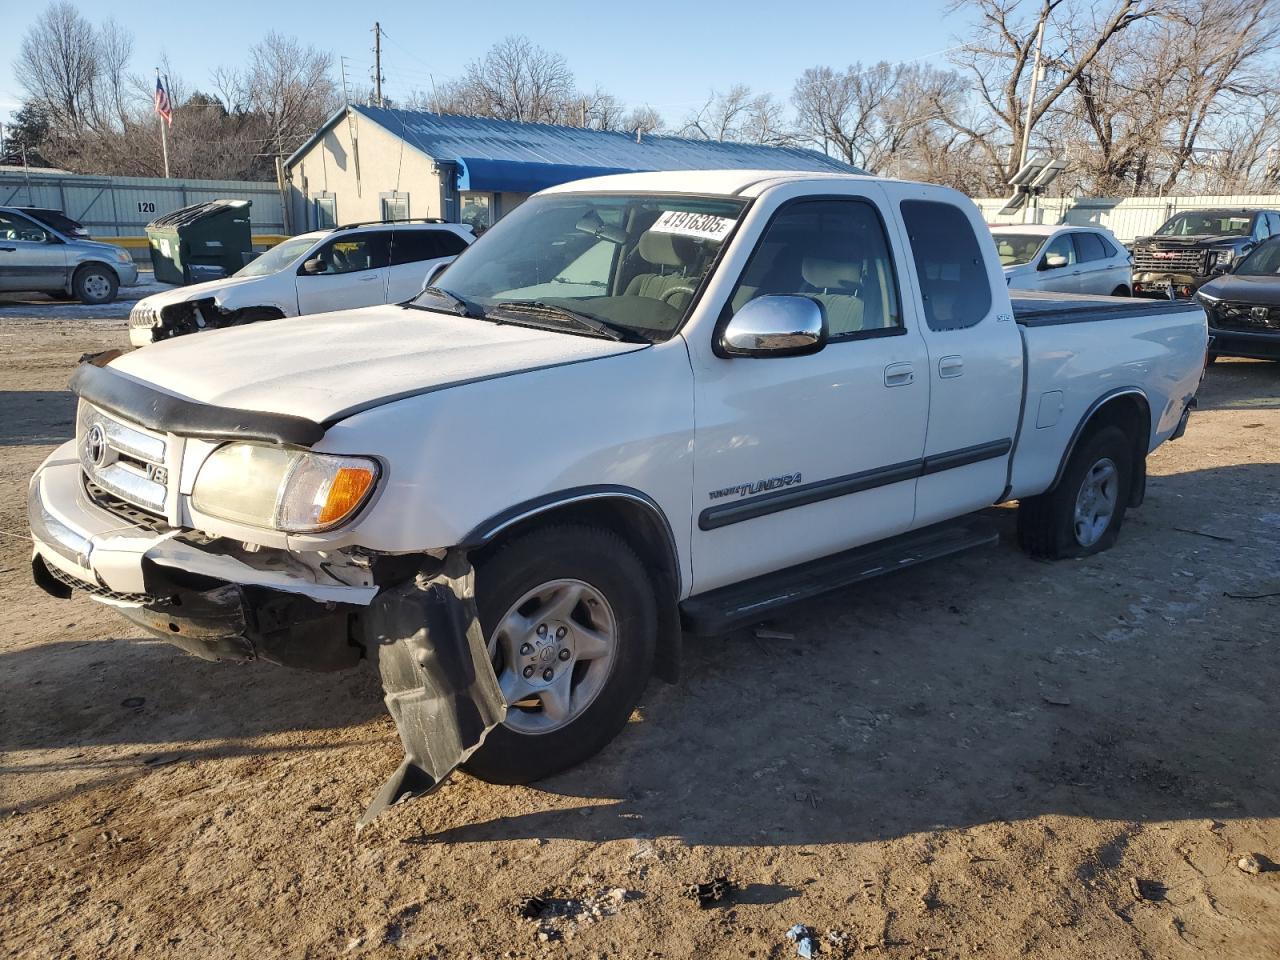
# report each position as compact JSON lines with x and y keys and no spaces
{"x":1131,"y":413}
{"x":94,"y":263}
{"x":645,"y":531}
{"x":1121,"y":291}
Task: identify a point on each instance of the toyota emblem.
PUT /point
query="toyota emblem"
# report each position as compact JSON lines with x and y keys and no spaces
{"x":95,"y":445}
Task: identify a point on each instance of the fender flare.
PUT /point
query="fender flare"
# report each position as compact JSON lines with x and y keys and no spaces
{"x":1089,"y":414}
{"x":487,"y":530}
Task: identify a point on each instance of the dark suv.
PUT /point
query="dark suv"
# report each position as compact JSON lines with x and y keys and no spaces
{"x":1194,"y":246}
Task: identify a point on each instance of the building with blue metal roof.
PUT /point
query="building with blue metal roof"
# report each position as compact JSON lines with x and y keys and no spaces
{"x":375,"y":163}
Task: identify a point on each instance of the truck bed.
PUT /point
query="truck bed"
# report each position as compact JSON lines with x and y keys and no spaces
{"x":1034,"y":309}
{"x":1152,"y":348}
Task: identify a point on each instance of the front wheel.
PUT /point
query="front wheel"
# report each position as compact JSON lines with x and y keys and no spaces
{"x":571,"y":622}
{"x":1081,"y":516}
{"x":1120,"y":291}
{"x":94,"y":284}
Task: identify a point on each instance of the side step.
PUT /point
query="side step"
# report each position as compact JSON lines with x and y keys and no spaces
{"x":727,"y":608}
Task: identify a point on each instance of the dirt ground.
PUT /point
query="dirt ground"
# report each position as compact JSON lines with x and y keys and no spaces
{"x":988,"y":756}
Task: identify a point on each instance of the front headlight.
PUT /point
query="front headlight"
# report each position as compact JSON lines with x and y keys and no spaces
{"x":1223,"y":258}
{"x":282,"y":488}
{"x":124,"y":256}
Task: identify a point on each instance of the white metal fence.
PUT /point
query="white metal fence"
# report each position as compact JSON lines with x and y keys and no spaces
{"x":1126,"y":217}
{"x":123,"y":206}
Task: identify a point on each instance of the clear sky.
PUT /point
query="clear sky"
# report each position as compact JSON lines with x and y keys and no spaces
{"x":669,"y":54}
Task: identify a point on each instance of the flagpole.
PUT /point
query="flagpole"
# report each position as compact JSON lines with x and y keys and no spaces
{"x":164,"y":139}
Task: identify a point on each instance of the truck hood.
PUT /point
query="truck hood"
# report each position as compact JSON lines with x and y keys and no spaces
{"x":1261,"y":290}
{"x":1207,"y":240}
{"x":327,"y":366}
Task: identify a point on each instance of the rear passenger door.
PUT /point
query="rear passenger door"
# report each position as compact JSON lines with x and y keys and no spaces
{"x":1099,"y":271}
{"x":975,"y":360}
{"x":801,"y":457}
{"x":355,"y":273}
{"x":415,"y":252}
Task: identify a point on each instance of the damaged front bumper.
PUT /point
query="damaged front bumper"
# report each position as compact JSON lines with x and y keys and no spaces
{"x":219,"y":601}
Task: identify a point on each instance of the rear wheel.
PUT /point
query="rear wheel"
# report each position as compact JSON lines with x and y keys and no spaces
{"x":1083,"y":513}
{"x":95,"y":284}
{"x":571,"y":622}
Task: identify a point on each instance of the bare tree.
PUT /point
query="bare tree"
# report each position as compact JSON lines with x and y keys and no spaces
{"x":291,"y":87}
{"x":58,"y":64}
{"x":740,"y":115}
{"x":641,"y":120}
{"x":871,"y":116}
{"x":1000,"y":58}
{"x":514,"y":80}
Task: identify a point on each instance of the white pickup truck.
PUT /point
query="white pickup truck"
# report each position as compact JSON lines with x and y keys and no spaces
{"x":638,"y":403}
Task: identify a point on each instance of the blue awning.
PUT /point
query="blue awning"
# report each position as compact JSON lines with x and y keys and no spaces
{"x":523,"y":176}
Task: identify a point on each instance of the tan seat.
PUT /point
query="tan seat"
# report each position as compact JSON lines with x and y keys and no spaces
{"x":837,"y":286}
{"x":672,"y":255}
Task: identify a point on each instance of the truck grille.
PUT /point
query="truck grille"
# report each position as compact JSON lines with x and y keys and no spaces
{"x":124,"y":460}
{"x":1246,"y":316}
{"x":1169,"y":260}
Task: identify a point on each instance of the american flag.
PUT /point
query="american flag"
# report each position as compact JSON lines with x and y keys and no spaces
{"x":163,"y":107}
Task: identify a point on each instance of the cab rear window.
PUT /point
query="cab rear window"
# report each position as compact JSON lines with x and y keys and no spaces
{"x":949,"y":263}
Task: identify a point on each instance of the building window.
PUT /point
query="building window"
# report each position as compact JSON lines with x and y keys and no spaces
{"x":326,"y":212}
{"x":395,"y":206}
{"x":477,"y":210}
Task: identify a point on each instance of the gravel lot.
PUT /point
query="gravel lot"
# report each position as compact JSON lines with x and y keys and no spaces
{"x":989,"y":756}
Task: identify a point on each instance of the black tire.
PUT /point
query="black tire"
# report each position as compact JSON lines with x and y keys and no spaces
{"x":1120,"y":291}
{"x":95,"y":284}
{"x":603,"y":560}
{"x":1046,"y":524}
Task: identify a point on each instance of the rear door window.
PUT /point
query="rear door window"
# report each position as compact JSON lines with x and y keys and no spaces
{"x":1089,"y":247}
{"x":413,"y":246}
{"x":949,"y":262}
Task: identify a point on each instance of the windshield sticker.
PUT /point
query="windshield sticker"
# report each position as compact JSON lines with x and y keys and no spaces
{"x":704,"y":226}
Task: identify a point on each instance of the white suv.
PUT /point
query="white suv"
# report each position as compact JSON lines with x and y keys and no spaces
{"x":360,"y":265}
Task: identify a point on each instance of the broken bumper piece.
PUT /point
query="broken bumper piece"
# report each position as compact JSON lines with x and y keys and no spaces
{"x":439,"y":682}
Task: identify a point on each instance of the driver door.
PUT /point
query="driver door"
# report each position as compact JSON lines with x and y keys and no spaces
{"x":353,"y":274}
{"x":31,"y":258}
{"x":803,"y":456}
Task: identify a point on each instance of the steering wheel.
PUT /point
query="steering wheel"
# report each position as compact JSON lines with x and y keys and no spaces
{"x":666,"y":297}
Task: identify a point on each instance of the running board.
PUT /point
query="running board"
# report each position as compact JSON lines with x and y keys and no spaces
{"x":727,"y":608}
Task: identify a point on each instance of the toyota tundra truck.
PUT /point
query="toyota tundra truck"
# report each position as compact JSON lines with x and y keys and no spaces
{"x":641,"y":406}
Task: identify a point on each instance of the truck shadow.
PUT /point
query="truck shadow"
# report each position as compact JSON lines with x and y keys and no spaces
{"x":988,"y":687}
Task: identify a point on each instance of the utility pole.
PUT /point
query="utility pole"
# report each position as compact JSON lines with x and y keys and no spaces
{"x":1031,"y":98}
{"x":377,"y":62}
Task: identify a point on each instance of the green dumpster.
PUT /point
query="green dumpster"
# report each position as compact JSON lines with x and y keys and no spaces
{"x":201,"y":242}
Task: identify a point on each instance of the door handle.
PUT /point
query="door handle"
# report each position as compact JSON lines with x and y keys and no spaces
{"x":899,"y":374}
{"x":370,"y":279}
{"x":950,"y":367}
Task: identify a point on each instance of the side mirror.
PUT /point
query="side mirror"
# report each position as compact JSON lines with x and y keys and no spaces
{"x":314,"y":265}
{"x":1053,"y":261}
{"x":434,"y":273}
{"x":775,"y":326}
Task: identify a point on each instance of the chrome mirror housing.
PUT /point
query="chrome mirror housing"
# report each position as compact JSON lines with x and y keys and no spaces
{"x":775,"y":325}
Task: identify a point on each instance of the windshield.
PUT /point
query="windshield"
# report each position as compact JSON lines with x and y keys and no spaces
{"x":1206,"y":223}
{"x":277,"y":258}
{"x":1016,"y":249}
{"x":1263,"y":262}
{"x":633,"y":263}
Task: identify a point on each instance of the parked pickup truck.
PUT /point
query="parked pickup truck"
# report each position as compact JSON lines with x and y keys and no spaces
{"x":637,"y":403}
{"x":1193,"y":247}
